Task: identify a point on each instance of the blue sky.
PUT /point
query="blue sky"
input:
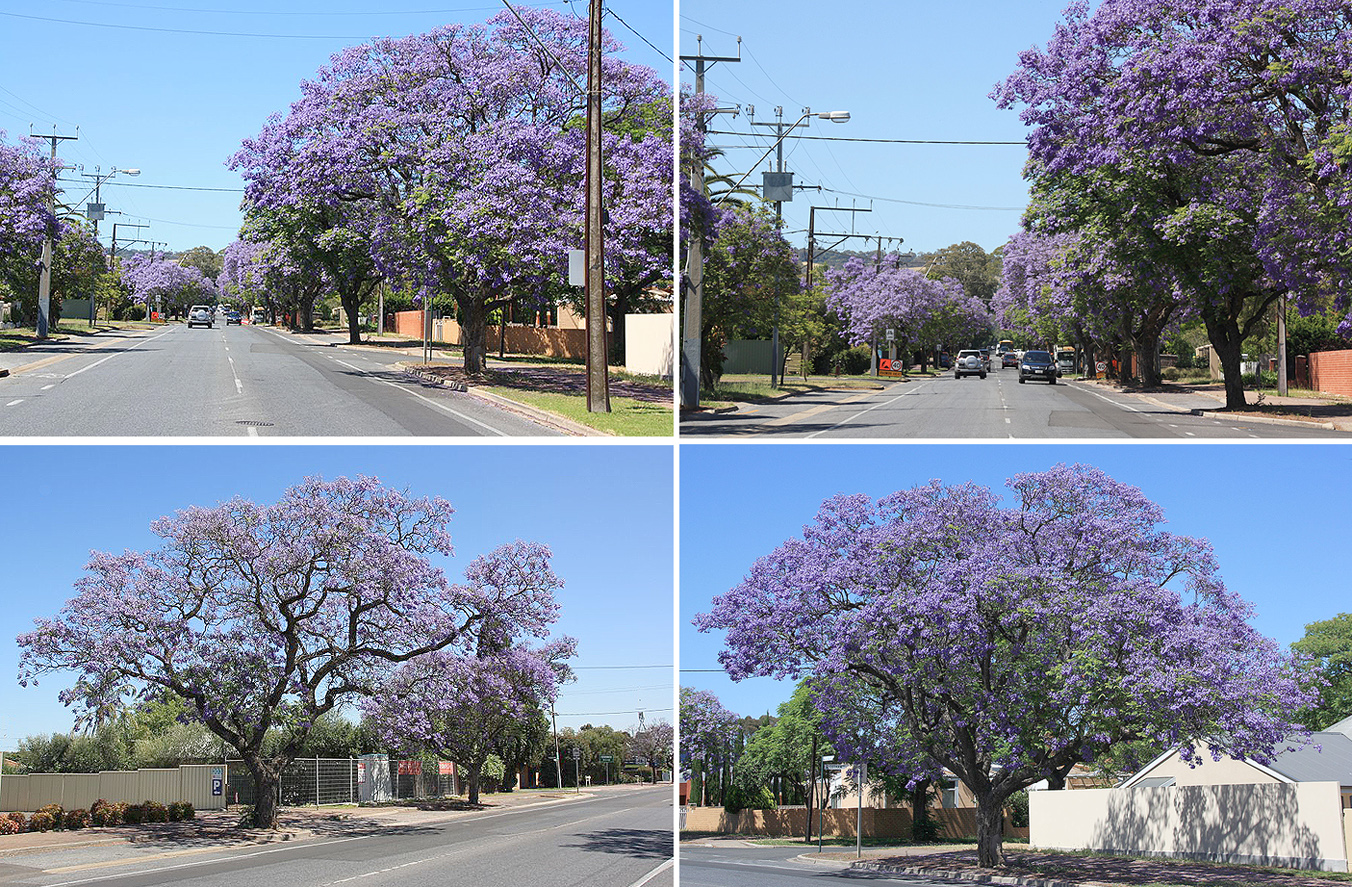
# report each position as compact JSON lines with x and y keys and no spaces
{"x":1278,"y":516}
{"x":916,"y":71}
{"x":605,"y":511}
{"x":176,"y":105}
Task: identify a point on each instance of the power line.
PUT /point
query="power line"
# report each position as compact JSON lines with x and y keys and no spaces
{"x":919,"y":203}
{"x":615,"y":15}
{"x":593,"y":714}
{"x":273,"y":12}
{"x":173,"y":187}
{"x":61,"y":21}
{"x":875,"y":141}
{"x":599,"y":667}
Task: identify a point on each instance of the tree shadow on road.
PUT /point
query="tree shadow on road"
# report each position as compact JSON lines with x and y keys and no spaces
{"x":635,"y":842}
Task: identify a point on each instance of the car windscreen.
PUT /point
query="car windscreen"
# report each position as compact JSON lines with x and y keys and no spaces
{"x":1036,"y":357}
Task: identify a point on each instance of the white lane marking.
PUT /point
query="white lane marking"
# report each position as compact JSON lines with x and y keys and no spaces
{"x":654,"y":873}
{"x":1007,"y":422}
{"x":253,"y":432}
{"x":14,"y":402}
{"x":1189,"y":434}
{"x":116,"y":353}
{"x":1120,"y":406}
{"x":216,"y":861}
{"x":45,"y":387}
{"x":870,"y":409}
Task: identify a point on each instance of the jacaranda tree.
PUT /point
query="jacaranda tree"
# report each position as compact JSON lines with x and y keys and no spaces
{"x":1006,"y":642}
{"x":466,"y":707}
{"x":459,"y":154}
{"x":266,"y":617}
{"x":706,"y":729}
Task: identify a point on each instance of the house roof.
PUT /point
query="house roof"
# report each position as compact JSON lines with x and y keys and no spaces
{"x":1328,"y":758}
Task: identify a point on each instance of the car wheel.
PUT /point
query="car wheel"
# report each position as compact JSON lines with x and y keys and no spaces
{"x":1051,"y":381}
{"x":983,"y":375}
{"x":1022,"y":380}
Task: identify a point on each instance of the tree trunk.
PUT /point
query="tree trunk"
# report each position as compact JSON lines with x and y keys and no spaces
{"x":352,"y":308}
{"x":1226,"y":339}
{"x":475,"y":770}
{"x":265,"y":792}
{"x":919,"y":803}
{"x":1124,"y":373}
{"x":990,"y":815}
{"x":473,"y":317}
{"x":617,"y":313}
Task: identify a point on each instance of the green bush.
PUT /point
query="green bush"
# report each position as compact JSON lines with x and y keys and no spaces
{"x":133,"y":814}
{"x":76,"y":819}
{"x":55,"y":812}
{"x":181,"y":810}
{"x":925,"y":829}
{"x":1170,"y":374}
{"x":1018,"y":809}
{"x":739,"y":799}
{"x":102,"y":813}
{"x":153,"y":811}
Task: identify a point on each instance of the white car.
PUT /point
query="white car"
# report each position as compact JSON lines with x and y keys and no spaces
{"x":969,"y":363}
{"x":201,"y":315}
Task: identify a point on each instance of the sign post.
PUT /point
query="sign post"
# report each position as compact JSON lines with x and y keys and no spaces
{"x":606,"y":759}
{"x":577,"y":769}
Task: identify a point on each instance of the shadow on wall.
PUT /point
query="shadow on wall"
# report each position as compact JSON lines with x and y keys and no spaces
{"x":1259,"y":824}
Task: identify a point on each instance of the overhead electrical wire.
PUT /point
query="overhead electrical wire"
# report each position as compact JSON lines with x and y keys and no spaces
{"x":316,"y":14}
{"x":723,"y":132}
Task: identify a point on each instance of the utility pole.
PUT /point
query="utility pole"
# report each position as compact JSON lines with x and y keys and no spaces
{"x":1281,"y":346}
{"x":692,"y":316}
{"x":45,"y":276}
{"x":812,"y":245}
{"x":780,"y":131}
{"x":598,"y":352}
{"x":558,"y":764}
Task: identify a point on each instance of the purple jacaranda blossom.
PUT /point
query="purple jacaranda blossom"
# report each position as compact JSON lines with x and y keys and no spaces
{"x":265,"y":617}
{"x":456,"y":156}
{"x":462,"y":706}
{"x":1008,"y":641}
{"x":27,"y":184}
{"x":166,"y":284}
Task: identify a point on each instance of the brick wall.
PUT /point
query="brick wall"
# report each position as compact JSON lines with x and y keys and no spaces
{"x":787,"y":822}
{"x":542,"y":341}
{"x":1331,"y":372}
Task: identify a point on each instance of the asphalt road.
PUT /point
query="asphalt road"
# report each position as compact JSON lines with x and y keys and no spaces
{"x":996,"y":407}
{"x":725,"y":866}
{"x":234,"y":381}
{"x":617,"y":839}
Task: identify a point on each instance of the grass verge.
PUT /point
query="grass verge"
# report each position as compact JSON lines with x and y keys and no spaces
{"x":628,"y":417}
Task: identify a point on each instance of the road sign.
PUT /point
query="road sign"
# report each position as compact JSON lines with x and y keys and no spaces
{"x":577,"y":754}
{"x":1102,"y":366}
{"x":891,"y":335}
{"x":217,"y":781}
{"x":891,"y":368}
{"x":606,"y":759}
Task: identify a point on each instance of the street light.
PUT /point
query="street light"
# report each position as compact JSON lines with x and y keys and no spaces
{"x":833,"y":116}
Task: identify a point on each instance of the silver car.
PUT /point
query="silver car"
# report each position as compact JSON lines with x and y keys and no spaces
{"x":201,"y":315}
{"x":969,"y":363}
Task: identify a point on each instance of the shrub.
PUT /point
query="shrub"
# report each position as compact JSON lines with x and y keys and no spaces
{"x":739,"y":799}
{"x":181,"y":810}
{"x":18,"y":819}
{"x":924,"y":830}
{"x":76,"y":819}
{"x":41,"y":822}
{"x":1169,"y":374}
{"x":9,"y":826}
{"x":153,"y":811}
{"x":55,"y":812}
{"x":133,"y":814}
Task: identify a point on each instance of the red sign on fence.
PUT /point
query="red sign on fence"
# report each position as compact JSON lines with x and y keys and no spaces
{"x":410,"y":768}
{"x":446,"y":768}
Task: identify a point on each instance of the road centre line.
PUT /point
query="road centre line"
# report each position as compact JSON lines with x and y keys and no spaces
{"x":14,"y":402}
{"x":116,"y":353}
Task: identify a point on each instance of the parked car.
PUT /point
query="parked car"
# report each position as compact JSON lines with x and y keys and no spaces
{"x":232,"y":316}
{"x":1037,"y":365}
{"x":969,"y":363}
{"x":1009,"y":359}
{"x":945,"y":360}
{"x":201,"y":315}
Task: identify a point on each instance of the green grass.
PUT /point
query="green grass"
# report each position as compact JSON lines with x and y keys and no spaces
{"x":754,"y":389}
{"x":20,"y":337}
{"x":628,"y":417}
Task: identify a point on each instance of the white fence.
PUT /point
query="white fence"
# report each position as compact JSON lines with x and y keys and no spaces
{"x":1284,"y":824}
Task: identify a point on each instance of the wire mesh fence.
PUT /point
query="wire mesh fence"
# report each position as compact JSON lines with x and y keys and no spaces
{"x":320,"y":781}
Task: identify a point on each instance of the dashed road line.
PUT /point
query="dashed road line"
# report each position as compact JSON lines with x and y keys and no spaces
{"x":870,"y":409}
{"x":14,"y":403}
{"x":116,"y":353}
